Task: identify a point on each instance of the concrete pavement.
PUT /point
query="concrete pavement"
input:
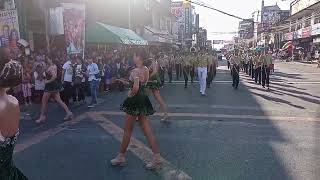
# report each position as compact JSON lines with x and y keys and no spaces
{"x":247,"y":134}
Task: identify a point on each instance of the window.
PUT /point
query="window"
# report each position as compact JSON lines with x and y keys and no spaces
{"x":285,"y":30}
{"x":169,"y":26}
{"x":7,"y":4}
{"x":307,"y":23}
{"x":299,"y":24}
{"x":293,"y":26}
{"x":317,"y":20}
{"x":147,"y":5}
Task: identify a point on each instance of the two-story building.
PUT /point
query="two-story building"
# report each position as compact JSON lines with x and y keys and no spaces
{"x":151,"y":19}
{"x":270,"y":17}
{"x":303,"y":26}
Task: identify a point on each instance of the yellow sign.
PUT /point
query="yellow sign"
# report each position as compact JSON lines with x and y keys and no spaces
{"x":186,"y":4}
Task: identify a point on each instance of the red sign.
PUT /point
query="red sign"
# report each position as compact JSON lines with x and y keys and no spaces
{"x":306,"y":32}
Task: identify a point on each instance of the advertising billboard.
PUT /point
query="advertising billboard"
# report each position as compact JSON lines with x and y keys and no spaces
{"x":315,"y":29}
{"x":288,"y":36}
{"x":306,"y":32}
{"x":9,"y":30}
{"x":177,"y":9}
{"x":188,"y":25}
{"x":246,"y":28}
{"x":74,"y":27}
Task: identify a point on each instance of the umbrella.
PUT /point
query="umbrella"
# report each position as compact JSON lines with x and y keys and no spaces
{"x":287,"y":45}
{"x":23,"y":42}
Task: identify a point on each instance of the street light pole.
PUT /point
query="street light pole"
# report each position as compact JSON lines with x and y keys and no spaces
{"x":129,"y":14}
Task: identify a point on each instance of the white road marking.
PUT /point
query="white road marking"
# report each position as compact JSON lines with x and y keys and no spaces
{"x":246,"y":79}
{"x":35,"y":139}
{"x":227,"y":116}
{"x":250,"y":108}
{"x":167,"y":171}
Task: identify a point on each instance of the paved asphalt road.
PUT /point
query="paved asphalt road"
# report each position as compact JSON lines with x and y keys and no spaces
{"x":248,"y":134}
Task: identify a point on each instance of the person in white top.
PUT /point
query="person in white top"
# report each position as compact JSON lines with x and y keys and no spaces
{"x":79,"y":81}
{"x":39,"y":82}
{"x":67,"y":77}
{"x":316,"y":56}
{"x":94,"y":79}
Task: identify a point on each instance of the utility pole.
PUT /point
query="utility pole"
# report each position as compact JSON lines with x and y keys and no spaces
{"x":130,"y":14}
{"x":46,"y":21}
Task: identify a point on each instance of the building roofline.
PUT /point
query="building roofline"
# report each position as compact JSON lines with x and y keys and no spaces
{"x":303,"y":11}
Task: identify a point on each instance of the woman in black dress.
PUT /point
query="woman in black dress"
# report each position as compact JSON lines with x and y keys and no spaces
{"x":10,"y":76}
{"x":52,"y":89}
{"x":154,"y":85}
{"x":138,"y":106}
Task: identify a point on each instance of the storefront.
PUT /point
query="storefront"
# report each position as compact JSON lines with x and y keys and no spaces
{"x":315,"y":33}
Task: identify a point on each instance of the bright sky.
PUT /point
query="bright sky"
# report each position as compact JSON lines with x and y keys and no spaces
{"x":216,"y":22}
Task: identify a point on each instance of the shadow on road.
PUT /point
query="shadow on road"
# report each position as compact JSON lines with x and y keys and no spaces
{"x":286,"y":75}
{"x":222,"y":148}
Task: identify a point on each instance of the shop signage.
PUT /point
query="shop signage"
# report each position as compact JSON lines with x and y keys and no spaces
{"x":299,"y":34}
{"x":288,"y":36}
{"x":315,"y":29}
{"x":9,"y":26}
{"x":295,"y":35}
{"x":306,"y":32}
{"x":74,"y":27}
{"x":187,"y":22}
{"x":177,"y":10}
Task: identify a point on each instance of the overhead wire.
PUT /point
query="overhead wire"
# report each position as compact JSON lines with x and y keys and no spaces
{"x":280,"y":27}
{"x":212,"y":8}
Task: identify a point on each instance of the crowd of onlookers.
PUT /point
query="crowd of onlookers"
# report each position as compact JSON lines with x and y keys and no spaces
{"x":73,"y":73}
{"x":299,"y":54}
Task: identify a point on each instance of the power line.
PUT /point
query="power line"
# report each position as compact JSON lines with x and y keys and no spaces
{"x":212,"y":8}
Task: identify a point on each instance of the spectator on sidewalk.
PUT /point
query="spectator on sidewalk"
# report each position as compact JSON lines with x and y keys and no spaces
{"x":94,"y":79}
{"x":26,"y":85}
{"x":67,"y":75}
{"x":79,"y":81}
{"x":107,"y":76}
{"x":39,"y":82}
{"x":316,"y":56}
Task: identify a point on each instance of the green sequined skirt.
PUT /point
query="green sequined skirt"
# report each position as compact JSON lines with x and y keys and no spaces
{"x":154,"y":83}
{"x":12,"y":173}
{"x":138,"y":105}
{"x":54,"y":86}
{"x":8,"y":171}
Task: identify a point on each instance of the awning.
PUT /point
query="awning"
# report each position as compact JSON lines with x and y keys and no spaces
{"x":153,"y":35}
{"x":107,"y":34}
